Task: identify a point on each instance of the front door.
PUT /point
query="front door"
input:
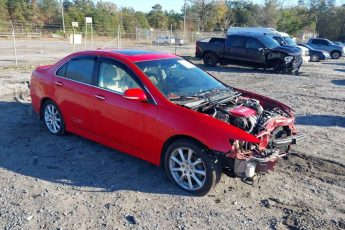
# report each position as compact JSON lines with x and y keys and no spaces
{"x":128,"y":124}
{"x":253,"y":52}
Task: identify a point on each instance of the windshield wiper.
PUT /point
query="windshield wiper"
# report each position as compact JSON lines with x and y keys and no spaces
{"x":184,"y":98}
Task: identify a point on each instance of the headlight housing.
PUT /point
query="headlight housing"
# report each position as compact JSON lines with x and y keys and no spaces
{"x":288,"y":59}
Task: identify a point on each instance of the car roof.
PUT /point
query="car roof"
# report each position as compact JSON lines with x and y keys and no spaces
{"x":249,"y":34}
{"x":138,"y":55}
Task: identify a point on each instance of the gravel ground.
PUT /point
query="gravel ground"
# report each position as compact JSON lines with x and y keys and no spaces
{"x":50,"y":182}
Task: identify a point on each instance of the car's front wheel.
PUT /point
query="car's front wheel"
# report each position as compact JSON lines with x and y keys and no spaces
{"x":188,"y":166}
{"x":335,"y":54}
{"x":314,"y":58}
{"x":53,"y":119}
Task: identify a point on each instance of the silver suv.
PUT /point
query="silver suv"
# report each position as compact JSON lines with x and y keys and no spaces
{"x":336,"y":51}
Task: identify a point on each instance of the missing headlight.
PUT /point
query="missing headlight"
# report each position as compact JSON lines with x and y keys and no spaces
{"x":288,"y":59}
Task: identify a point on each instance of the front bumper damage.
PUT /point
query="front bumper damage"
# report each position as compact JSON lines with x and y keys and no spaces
{"x":247,"y":163}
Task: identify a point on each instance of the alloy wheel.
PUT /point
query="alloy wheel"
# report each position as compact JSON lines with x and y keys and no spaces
{"x":187,"y":168}
{"x":52,"y":118}
{"x":314,"y":58}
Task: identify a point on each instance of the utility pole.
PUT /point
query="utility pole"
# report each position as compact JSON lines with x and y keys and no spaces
{"x":171,"y":33}
{"x":184,"y":16}
{"x":63,"y":20}
{"x":14,"y":43}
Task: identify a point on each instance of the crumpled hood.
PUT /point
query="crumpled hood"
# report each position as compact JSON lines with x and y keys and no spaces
{"x":290,"y":50}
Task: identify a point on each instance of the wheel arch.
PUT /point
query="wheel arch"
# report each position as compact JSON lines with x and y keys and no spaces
{"x":335,"y":51}
{"x":210,"y":51}
{"x":174,"y":138}
{"x":43,"y":101}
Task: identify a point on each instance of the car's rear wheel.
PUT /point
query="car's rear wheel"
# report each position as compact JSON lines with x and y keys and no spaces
{"x":314,"y":58}
{"x":210,"y":60}
{"x":335,"y":54}
{"x":188,"y":166}
{"x":53,"y":119}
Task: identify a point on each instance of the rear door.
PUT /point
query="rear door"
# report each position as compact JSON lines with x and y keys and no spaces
{"x":129,"y":124}
{"x":72,"y":91}
{"x":235,"y":48}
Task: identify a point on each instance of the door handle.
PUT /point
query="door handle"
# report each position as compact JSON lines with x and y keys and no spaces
{"x":100,"y":97}
{"x":58,"y":83}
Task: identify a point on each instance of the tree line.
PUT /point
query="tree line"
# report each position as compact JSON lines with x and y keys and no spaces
{"x":323,"y":17}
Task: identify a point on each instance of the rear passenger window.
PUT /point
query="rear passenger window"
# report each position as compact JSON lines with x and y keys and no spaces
{"x":80,"y":70}
{"x":316,"y":42}
{"x":62,"y":71}
{"x":237,"y":41}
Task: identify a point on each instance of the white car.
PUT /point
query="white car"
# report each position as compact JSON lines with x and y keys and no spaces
{"x":164,"y":40}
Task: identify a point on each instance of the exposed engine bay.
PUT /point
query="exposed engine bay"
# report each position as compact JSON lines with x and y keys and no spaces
{"x":271,"y":124}
{"x":244,"y":113}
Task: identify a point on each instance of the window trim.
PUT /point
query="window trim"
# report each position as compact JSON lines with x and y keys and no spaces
{"x":131,"y":73}
{"x":76,"y":58}
{"x":239,"y":37}
{"x":95,"y":76}
{"x":256,"y":40}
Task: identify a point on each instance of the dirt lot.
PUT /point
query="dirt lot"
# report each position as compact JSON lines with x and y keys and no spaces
{"x":50,"y":182}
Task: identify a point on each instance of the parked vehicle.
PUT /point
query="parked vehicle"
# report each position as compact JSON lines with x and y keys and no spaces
{"x":179,"y":41}
{"x":339,"y":43}
{"x":164,"y":40}
{"x":285,"y":39}
{"x":316,"y":55}
{"x":336,"y":51}
{"x":282,"y":38}
{"x":249,"y":49}
{"x":163,"y":109}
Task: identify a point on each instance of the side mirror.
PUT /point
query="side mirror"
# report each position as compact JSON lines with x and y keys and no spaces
{"x":261,"y":51}
{"x":135,"y":94}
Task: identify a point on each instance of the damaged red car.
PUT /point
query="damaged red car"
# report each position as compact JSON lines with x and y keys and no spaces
{"x":165,"y":110}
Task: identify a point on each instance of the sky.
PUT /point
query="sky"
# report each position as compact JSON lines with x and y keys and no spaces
{"x":176,"y":5}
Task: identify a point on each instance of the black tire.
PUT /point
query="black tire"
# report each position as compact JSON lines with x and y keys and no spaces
{"x":314,"y":58}
{"x":211,"y":169}
{"x":335,"y":55}
{"x":278,"y":66}
{"x":48,"y":120}
{"x":210,"y":59}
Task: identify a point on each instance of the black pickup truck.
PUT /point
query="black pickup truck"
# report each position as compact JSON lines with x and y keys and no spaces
{"x":250,"y":49}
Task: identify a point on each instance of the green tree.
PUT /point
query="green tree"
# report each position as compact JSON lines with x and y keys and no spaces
{"x":243,"y":13}
{"x":18,"y":10}
{"x":106,"y":18}
{"x":157,"y":18}
{"x":3,"y":11}
{"x":175,"y":20}
{"x":141,"y":19}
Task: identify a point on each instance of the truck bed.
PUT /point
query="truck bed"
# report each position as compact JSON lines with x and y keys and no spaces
{"x":215,"y":45}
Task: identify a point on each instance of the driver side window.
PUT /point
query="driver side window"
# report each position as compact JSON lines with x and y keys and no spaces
{"x":253,"y":44}
{"x":113,"y":77}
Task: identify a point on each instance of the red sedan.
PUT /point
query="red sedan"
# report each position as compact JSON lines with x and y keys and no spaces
{"x":163,"y":109}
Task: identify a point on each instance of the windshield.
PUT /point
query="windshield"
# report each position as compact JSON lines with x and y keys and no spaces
{"x":179,"y":78}
{"x":269,"y":42}
{"x":289,"y":41}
